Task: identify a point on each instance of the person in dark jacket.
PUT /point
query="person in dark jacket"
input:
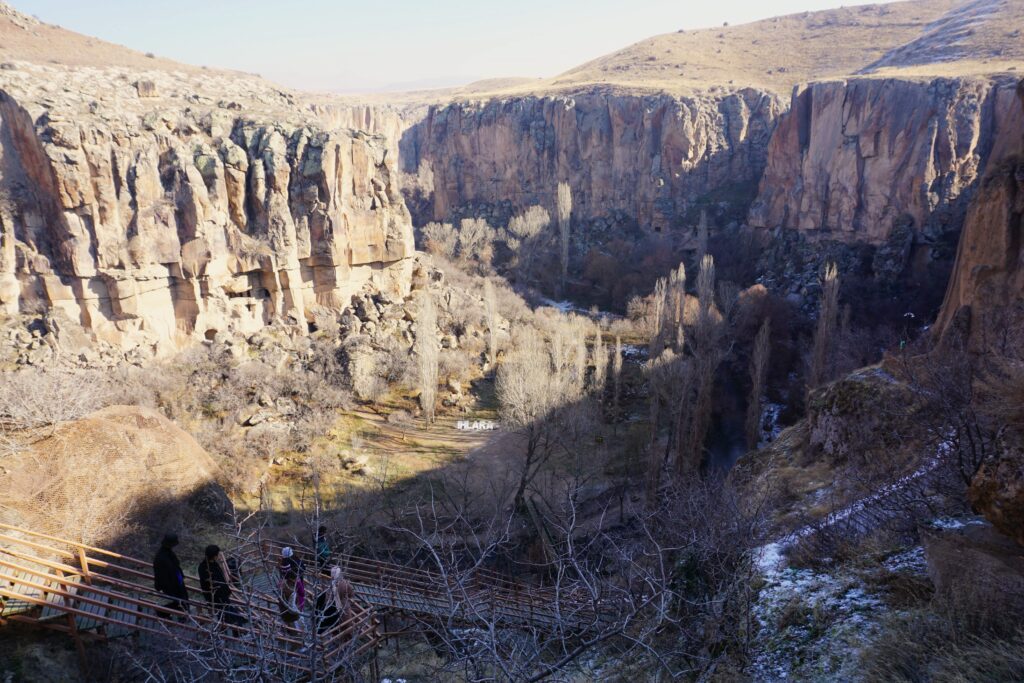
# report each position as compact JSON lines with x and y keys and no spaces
{"x":168,"y":577}
{"x":216,"y":581}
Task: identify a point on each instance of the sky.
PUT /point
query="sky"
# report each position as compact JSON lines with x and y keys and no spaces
{"x":368,"y":45}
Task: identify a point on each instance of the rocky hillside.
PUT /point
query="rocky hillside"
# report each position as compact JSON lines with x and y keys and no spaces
{"x":156,"y":206}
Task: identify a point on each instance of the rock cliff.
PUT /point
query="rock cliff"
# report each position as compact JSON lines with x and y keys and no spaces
{"x":646,"y":159}
{"x":845,"y":159}
{"x":987,"y":286}
{"x":851,"y":159}
{"x":158,"y":207}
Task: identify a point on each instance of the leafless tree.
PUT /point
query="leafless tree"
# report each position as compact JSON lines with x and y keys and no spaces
{"x":564,"y":226}
{"x":491,"y":306}
{"x":476,"y":241}
{"x":758,"y":371}
{"x":825,"y":330}
{"x":650,"y":593}
{"x":599,"y":354}
{"x":427,"y":350}
{"x":540,"y":396}
{"x":617,"y":376}
{"x":524,"y":237}
{"x":702,"y":236}
{"x":441,"y":239}
{"x":707,"y":353}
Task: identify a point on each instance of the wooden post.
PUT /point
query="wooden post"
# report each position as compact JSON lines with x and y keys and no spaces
{"x":83,"y":561}
{"x":83,"y":664}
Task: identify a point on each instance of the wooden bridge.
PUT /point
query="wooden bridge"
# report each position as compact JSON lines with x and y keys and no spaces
{"x":475,"y":597}
{"x":95,"y":594}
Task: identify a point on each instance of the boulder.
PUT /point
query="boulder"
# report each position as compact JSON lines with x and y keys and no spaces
{"x":997,"y":492}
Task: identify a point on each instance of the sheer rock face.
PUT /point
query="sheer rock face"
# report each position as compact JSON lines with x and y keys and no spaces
{"x":987,"y":286}
{"x":846,"y":160}
{"x":160,"y":219}
{"x":648,"y":158}
{"x":854,"y":158}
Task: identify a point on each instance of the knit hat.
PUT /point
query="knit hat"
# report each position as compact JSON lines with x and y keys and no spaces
{"x":286,"y":553}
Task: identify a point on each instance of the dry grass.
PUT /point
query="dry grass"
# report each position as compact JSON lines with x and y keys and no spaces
{"x":916,"y":39}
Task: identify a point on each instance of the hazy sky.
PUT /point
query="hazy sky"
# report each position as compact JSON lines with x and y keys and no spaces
{"x":395,"y":44}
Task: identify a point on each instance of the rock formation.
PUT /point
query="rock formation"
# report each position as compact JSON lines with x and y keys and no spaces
{"x":851,"y":159}
{"x":987,"y":285}
{"x":156,"y":208}
{"x":647,"y":159}
{"x":90,"y":479}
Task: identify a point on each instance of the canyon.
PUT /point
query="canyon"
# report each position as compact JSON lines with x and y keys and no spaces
{"x":214,"y":201}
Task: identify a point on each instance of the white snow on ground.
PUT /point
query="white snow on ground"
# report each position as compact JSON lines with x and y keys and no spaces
{"x":811,"y":624}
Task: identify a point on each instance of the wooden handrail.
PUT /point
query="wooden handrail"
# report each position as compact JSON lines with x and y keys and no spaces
{"x":82,"y":595}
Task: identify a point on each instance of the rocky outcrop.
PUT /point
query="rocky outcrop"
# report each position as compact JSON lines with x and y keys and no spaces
{"x":92,"y":478}
{"x":987,"y":285}
{"x":997,"y":492}
{"x":647,"y":159}
{"x":973,"y":565}
{"x":851,"y":160}
{"x":157,"y":208}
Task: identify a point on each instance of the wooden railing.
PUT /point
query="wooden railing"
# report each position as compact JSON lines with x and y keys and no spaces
{"x":471,"y":596}
{"x":79,"y":589}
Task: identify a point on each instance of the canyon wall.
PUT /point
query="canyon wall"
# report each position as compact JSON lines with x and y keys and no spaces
{"x":844,"y":160}
{"x":986,"y":291}
{"x":154,"y":209}
{"x":644,"y":159}
{"x":851,"y":159}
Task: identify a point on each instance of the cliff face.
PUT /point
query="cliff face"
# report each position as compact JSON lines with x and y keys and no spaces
{"x":852,"y":158}
{"x":647,"y":158}
{"x":158,"y":208}
{"x":987,"y":287}
{"x":846,"y":160}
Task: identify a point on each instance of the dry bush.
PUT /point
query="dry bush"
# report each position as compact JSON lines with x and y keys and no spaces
{"x":34,"y":398}
{"x":440,"y":239}
{"x":928,"y":646}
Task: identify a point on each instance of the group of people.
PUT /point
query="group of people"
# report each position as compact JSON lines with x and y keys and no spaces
{"x":219,"y":577}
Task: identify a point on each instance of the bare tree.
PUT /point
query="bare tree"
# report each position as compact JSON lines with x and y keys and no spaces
{"x":491,"y":306}
{"x":564,"y":216}
{"x":758,"y":371}
{"x":600,"y":362}
{"x":707,"y":355}
{"x":617,"y":376}
{"x":476,"y":241}
{"x":540,"y":395}
{"x":825,"y":330}
{"x":440,"y":239}
{"x":427,"y":351}
{"x":702,"y":235}
{"x":524,"y":237}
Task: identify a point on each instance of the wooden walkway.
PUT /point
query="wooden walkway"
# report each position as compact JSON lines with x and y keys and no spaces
{"x":473,"y":598}
{"x":95,"y":594}
{"x":91,"y":593}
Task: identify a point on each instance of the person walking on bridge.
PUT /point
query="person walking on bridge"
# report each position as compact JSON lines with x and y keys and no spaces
{"x":216,"y":581}
{"x":168,"y":577}
{"x":334,"y":605}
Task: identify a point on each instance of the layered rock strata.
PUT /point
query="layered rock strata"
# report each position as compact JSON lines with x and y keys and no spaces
{"x":158,"y":208}
{"x":852,"y":159}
